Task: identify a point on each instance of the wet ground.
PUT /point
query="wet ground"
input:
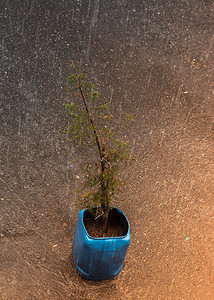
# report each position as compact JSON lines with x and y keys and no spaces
{"x":151,"y":58}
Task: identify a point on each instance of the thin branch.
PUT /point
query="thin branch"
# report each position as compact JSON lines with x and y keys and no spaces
{"x":91,"y":121}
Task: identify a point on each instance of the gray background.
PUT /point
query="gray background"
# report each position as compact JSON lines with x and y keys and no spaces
{"x":151,"y":58}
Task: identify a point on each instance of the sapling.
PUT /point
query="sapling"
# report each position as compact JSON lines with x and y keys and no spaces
{"x":90,"y":126}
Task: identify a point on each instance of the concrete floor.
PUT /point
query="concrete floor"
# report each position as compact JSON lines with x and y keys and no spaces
{"x":151,"y":58}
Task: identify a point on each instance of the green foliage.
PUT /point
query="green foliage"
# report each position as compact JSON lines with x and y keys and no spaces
{"x":129,"y":117}
{"x":89,"y":127}
{"x":79,"y":127}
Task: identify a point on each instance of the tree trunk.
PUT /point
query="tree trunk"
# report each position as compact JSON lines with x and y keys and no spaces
{"x":105,"y":223}
{"x":105,"y":218}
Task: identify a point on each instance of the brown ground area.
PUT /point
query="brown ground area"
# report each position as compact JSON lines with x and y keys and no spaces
{"x":153,"y":59}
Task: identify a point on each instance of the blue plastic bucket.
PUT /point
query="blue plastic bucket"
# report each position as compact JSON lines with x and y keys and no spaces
{"x":99,"y":258}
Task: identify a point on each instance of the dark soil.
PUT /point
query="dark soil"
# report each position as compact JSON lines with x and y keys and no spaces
{"x":117,"y":225}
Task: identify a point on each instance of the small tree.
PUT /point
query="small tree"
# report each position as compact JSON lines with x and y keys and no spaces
{"x":89,"y":125}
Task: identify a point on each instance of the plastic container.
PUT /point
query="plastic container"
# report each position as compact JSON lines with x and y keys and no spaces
{"x":99,"y":258}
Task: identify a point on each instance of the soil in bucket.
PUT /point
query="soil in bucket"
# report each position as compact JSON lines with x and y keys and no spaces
{"x":117,"y":224}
